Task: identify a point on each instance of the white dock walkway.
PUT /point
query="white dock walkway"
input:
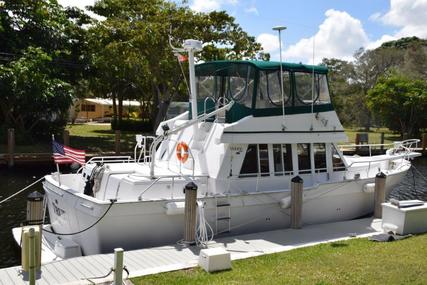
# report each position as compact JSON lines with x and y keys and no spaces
{"x":167,"y":258}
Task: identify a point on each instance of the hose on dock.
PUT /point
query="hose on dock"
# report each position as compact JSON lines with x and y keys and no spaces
{"x":203,"y":228}
{"x":22,"y":190}
{"x":91,"y":226}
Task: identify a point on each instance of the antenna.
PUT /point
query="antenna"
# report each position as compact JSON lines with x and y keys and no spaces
{"x":312,"y":88}
{"x":280,"y":29}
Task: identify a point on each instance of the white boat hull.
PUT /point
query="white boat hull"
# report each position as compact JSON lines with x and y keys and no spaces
{"x":140,"y":224}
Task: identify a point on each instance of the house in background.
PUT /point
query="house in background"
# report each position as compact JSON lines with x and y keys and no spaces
{"x":100,"y":110}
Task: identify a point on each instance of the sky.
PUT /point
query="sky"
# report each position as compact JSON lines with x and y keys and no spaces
{"x":335,"y":28}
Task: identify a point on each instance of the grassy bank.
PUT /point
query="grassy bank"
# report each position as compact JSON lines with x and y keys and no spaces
{"x":356,"y":261}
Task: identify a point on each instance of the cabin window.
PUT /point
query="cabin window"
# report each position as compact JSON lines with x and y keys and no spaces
{"x":88,"y":107}
{"x":319,"y":151}
{"x":337,"y":163}
{"x":269,"y":92}
{"x":304,"y":161}
{"x":250,"y":162}
{"x":282,"y":155}
{"x":263,"y":160}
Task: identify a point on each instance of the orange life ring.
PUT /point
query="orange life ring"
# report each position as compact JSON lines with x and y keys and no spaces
{"x":182,"y":152}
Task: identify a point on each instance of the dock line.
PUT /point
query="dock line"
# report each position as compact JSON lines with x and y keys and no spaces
{"x":79,"y":232}
{"x":22,"y":190}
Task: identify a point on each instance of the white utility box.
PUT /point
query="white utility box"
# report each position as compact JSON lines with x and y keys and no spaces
{"x":214,"y":259}
{"x":66,"y":248}
{"x":404,"y":220}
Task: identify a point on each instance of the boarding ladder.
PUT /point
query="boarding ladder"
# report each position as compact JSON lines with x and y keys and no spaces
{"x":222,"y":215}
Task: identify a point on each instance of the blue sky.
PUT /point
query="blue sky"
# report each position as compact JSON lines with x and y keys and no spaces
{"x":336,"y":27}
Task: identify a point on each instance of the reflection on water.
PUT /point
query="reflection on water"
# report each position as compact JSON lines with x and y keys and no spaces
{"x":12,"y":213}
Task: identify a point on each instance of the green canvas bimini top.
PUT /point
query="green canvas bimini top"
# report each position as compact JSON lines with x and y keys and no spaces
{"x":225,"y":66}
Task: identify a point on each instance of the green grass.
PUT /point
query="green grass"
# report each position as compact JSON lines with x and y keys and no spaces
{"x":374,"y":135}
{"x":356,"y":261}
{"x":99,"y":138}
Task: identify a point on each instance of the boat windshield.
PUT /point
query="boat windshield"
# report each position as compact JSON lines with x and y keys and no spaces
{"x":234,"y":82}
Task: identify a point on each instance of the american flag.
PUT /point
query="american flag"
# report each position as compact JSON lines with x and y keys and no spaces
{"x":64,"y":154}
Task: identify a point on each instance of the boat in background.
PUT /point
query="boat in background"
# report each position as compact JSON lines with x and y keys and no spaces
{"x":251,"y":128}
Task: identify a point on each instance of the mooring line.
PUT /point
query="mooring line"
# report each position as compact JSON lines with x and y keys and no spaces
{"x":22,"y":190}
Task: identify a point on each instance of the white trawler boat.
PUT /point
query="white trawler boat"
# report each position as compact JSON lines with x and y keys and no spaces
{"x":241,"y":146}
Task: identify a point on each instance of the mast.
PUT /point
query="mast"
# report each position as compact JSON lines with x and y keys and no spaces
{"x":192,"y":46}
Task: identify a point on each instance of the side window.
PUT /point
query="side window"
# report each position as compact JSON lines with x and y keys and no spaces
{"x":250,"y":162}
{"x":319,"y":151}
{"x":263,"y":160}
{"x":337,"y":163}
{"x":304,"y":162}
{"x":282,"y":155}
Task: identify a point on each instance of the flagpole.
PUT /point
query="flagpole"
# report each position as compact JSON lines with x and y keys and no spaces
{"x":57,"y":165}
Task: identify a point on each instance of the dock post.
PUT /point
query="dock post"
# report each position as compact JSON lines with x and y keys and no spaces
{"x":66,"y":137}
{"x":32,"y":257}
{"x":190,"y":191}
{"x":118,"y":266}
{"x":379,"y":195}
{"x":11,"y":146}
{"x":117,"y":142}
{"x":297,"y":184}
{"x":35,"y":208}
{"x":424,"y":141}
{"x":357,"y":142}
{"x":382,"y":141}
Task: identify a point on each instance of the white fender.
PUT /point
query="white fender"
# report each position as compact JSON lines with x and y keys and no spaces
{"x":369,"y":188}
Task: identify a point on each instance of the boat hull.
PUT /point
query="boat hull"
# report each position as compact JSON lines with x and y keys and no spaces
{"x":140,"y":224}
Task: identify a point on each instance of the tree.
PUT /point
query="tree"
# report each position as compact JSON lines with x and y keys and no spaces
{"x":33,"y":101}
{"x":400,"y":102}
{"x":131,"y":52}
{"x":41,"y":63}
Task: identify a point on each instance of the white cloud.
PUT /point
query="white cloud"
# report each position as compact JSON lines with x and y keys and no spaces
{"x":251,"y":9}
{"x":269,"y":42}
{"x":375,"y":17}
{"x":211,"y":5}
{"x":339,"y":36}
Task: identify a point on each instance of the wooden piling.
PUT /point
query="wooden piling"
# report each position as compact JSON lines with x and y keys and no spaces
{"x":379,"y":195}
{"x":190,"y":191}
{"x":297,"y":184}
{"x":32,"y":257}
{"x":382,"y":141}
{"x":11,"y":146}
{"x":66,"y":137}
{"x":424,"y":141}
{"x":117,"y":142}
{"x":118,"y":266}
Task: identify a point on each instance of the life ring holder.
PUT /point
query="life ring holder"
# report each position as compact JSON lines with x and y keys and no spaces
{"x":182,"y":152}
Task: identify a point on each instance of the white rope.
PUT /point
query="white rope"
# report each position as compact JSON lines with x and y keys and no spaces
{"x":203,"y":228}
{"x":22,"y":190}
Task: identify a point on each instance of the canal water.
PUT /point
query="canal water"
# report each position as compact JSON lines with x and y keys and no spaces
{"x":13,"y":212}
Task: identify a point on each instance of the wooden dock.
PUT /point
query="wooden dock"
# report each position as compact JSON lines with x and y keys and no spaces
{"x":81,"y":270}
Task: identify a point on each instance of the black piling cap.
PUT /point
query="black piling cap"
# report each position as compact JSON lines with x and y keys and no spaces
{"x":297,"y":179}
{"x":35,"y":196}
{"x":381,"y":175}
{"x":190,"y":186}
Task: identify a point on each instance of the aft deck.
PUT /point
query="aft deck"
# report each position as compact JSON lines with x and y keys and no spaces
{"x":81,"y":270}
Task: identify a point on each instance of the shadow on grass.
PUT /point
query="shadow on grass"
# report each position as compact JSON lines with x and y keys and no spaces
{"x":339,"y":244}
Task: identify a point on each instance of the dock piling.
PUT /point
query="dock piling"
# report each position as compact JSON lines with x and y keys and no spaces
{"x":66,"y":137}
{"x":190,"y":191}
{"x":118,"y":266}
{"x":297,"y":184}
{"x":379,"y":195}
{"x":32,"y":257}
{"x":11,"y":146}
{"x":117,"y":142}
{"x":424,"y":141}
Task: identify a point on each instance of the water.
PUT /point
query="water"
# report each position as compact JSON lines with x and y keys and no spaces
{"x":13,"y":212}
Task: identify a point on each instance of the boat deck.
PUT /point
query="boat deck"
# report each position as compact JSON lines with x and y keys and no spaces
{"x":173,"y":257}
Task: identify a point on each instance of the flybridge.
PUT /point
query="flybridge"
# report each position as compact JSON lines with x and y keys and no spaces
{"x":255,"y":87}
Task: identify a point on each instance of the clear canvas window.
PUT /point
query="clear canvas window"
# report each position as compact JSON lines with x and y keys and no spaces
{"x":269,"y":90}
